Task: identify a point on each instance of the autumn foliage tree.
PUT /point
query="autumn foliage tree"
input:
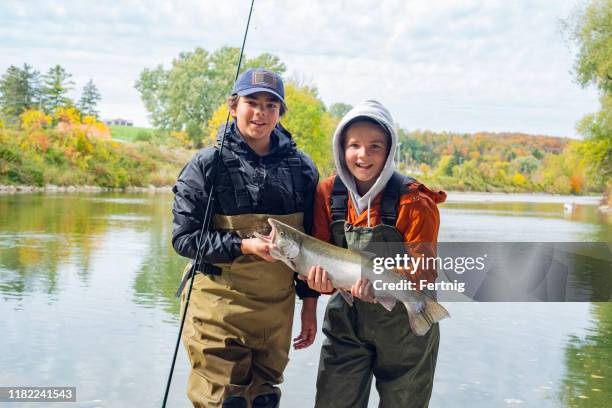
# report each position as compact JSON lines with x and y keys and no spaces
{"x":590,"y":27}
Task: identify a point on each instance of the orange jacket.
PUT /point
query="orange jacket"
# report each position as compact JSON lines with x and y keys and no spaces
{"x":418,"y":220}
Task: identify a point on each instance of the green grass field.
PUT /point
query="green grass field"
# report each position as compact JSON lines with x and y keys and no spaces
{"x":131,"y":133}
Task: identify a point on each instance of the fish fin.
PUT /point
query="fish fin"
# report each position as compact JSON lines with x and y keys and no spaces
{"x":421,"y":322}
{"x":347,"y":296}
{"x":387,"y":302}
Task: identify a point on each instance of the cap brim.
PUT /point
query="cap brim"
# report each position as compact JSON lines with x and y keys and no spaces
{"x":251,"y":91}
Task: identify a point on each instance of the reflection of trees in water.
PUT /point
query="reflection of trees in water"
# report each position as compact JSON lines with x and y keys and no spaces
{"x":588,"y":362}
{"x":45,"y":234}
{"x":160,"y":273}
{"x":41,"y":233}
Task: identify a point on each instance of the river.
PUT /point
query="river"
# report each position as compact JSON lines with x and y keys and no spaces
{"x":86,"y":300}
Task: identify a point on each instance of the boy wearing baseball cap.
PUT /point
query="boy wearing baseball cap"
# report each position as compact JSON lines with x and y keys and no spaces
{"x":238,"y":327}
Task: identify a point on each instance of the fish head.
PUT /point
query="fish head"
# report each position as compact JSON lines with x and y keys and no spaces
{"x":286,"y":239}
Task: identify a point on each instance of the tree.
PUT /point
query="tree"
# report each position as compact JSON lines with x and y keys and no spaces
{"x":445,"y":166}
{"x":339,"y":109}
{"x":19,"y":91}
{"x":597,"y":148}
{"x":526,"y":164}
{"x":591,"y":29}
{"x":57,"y":84}
{"x":89,"y":100}
{"x":185,"y":96}
{"x":310,"y":125}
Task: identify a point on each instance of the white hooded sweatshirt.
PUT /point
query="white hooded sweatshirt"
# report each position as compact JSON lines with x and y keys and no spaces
{"x":376,"y":111}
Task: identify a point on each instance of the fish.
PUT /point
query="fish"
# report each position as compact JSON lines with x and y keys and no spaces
{"x":344,"y":267}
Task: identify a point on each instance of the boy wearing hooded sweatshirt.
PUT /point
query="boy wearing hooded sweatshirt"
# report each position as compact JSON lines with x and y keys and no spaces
{"x":366,"y":204}
{"x":237,"y":330}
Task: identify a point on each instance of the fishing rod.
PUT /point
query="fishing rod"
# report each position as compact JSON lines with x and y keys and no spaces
{"x":206,"y":220}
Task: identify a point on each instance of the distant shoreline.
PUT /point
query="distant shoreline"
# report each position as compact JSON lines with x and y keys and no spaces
{"x":453,"y":196}
{"x":534,"y":197}
{"x":51,"y":189}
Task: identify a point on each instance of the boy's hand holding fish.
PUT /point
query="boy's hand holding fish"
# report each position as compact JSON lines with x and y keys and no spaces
{"x":318,"y":280}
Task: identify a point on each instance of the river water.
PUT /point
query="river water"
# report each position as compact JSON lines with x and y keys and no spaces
{"x":86,"y":300}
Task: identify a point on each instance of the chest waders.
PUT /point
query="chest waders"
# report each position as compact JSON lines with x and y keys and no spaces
{"x":366,"y":340}
{"x":237,"y":330}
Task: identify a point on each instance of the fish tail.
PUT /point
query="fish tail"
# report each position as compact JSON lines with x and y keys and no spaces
{"x":421,"y":322}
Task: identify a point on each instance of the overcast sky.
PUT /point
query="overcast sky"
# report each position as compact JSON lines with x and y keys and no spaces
{"x":444,"y":65}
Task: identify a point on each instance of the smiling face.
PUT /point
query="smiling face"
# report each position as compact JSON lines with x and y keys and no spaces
{"x":256,"y":115}
{"x":366,"y":147}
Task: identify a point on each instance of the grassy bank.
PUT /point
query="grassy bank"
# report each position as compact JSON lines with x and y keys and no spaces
{"x":68,"y":150}
{"x":131,"y":133}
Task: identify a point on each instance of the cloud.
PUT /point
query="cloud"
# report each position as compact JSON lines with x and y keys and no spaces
{"x":461,"y":65}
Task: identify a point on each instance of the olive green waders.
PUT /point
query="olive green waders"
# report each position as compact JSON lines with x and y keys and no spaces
{"x":237,"y":331}
{"x":366,"y":339}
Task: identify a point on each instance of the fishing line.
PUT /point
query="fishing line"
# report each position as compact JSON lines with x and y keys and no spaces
{"x":206,"y":220}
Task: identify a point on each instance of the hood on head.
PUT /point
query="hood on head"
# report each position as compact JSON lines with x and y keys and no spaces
{"x":377,"y":112}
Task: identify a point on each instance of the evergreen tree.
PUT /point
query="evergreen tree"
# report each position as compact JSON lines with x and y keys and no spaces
{"x":89,"y":100}
{"x":57,"y":84}
{"x":19,"y":91}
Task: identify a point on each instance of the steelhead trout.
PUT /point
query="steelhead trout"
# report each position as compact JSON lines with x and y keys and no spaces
{"x":344,"y":267}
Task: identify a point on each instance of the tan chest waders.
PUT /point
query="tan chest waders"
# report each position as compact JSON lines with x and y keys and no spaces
{"x":237,"y":331}
{"x":366,"y":340}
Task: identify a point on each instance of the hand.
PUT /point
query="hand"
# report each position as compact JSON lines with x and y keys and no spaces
{"x":363,"y":289}
{"x":309,"y":324}
{"x":257,"y":246}
{"x":318,"y":280}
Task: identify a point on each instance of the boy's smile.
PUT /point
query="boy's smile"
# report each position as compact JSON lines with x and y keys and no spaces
{"x":256,"y":115}
{"x":366,"y":148}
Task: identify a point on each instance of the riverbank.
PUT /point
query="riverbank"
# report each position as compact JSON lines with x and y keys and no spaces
{"x":51,"y":188}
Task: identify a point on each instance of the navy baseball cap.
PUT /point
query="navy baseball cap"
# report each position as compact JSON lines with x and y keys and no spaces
{"x":259,"y":80}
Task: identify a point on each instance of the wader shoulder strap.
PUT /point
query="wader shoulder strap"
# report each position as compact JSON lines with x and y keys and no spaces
{"x":339,"y":200}
{"x":295,"y":165}
{"x":232,"y":164}
{"x":396,"y":186}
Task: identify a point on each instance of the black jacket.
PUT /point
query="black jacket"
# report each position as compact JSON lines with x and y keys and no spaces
{"x":269,"y":182}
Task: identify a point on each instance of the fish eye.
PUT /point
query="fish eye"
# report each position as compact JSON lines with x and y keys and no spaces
{"x":282,"y":233}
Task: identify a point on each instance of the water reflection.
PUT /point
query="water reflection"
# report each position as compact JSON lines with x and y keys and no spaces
{"x":159,"y":275}
{"x":42,"y":234}
{"x":588,"y":361}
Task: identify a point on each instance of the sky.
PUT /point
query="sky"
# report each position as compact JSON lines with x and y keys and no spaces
{"x":442,"y":65}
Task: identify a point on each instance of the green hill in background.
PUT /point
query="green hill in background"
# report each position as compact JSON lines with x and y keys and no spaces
{"x":131,"y":133}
